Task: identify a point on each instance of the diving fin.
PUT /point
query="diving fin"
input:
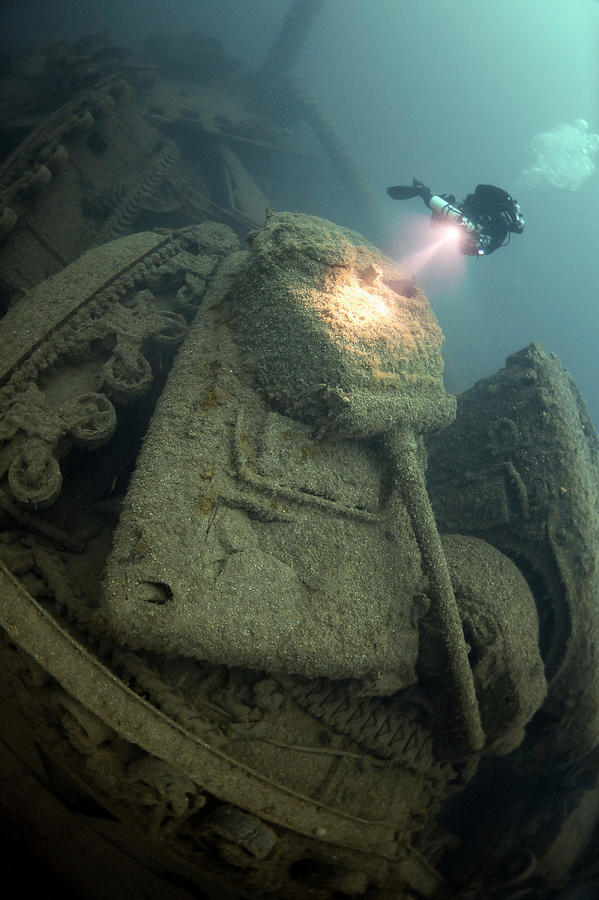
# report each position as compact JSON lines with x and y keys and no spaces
{"x":402,"y":192}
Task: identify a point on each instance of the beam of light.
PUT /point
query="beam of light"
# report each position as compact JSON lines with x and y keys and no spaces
{"x":418,"y":260}
{"x":430,"y":253}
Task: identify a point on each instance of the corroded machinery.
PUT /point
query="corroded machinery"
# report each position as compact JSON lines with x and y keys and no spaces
{"x":278,"y":617}
{"x":250,"y":656}
{"x":100,"y":141}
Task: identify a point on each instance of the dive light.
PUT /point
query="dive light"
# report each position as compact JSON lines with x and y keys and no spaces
{"x":471,"y":238}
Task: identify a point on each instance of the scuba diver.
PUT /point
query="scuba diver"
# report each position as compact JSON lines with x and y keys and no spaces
{"x":486,"y":218}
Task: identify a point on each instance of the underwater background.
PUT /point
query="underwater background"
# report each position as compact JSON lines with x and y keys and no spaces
{"x":454,"y":93}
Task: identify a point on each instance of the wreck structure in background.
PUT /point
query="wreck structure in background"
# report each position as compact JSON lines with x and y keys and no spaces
{"x":103,"y":141}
